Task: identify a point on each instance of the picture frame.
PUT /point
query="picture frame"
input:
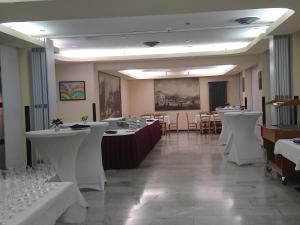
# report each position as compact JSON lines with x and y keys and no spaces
{"x":72,"y":90}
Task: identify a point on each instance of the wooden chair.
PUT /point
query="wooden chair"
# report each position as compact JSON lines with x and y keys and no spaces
{"x":162,"y":122}
{"x":205,"y":123}
{"x":217,"y":123}
{"x":147,"y":115}
{"x":190,"y":125}
{"x":174,"y":126}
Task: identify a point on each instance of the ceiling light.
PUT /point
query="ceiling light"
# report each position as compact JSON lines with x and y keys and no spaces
{"x":255,"y":32}
{"x":151,"y":43}
{"x":211,"y":71}
{"x":168,"y":73}
{"x":107,"y":53}
{"x":247,"y":20}
{"x":27,"y":28}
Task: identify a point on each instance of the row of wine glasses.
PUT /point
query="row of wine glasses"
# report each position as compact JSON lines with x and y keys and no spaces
{"x":21,"y":187}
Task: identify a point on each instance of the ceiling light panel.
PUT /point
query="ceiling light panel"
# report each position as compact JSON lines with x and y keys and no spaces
{"x":169,"y":73}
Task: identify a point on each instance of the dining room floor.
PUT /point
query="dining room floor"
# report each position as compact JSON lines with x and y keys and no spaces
{"x":186,"y":180}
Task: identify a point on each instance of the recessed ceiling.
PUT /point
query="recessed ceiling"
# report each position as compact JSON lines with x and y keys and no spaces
{"x":194,"y":34}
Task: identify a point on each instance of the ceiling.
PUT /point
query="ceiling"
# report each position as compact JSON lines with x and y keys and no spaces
{"x":111,"y":26}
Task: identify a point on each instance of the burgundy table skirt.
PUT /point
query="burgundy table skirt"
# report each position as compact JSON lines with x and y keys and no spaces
{"x":128,"y":151}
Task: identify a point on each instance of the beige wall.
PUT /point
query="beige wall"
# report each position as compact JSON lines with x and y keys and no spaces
{"x":71,"y":111}
{"x":141,"y":95}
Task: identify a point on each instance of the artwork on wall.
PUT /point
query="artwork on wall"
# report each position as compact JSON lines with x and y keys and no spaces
{"x":71,"y":90}
{"x":177,"y":94}
{"x":110,"y":96}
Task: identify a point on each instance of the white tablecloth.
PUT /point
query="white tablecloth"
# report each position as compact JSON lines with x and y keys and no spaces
{"x":60,"y":148}
{"x":164,"y":118}
{"x":288,"y":149}
{"x":89,"y":168}
{"x":226,"y":132}
{"x":243,"y":147}
{"x":55,"y":204}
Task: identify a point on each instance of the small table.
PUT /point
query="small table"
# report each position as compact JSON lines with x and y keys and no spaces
{"x":57,"y":203}
{"x":243,"y":147}
{"x":89,"y":167}
{"x":61,"y":148}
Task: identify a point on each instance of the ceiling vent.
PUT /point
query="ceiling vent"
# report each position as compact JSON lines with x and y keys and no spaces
{"x":247,"y":20}
{"x":151,"y":43}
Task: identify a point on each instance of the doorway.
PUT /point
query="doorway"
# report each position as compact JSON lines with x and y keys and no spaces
{"x":217,"y":94}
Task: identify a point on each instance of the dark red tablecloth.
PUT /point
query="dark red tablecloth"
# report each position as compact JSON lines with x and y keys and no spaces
{"x":128,"y":151}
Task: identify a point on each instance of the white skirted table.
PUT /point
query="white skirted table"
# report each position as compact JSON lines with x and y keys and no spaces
{"x":243,"y":146}
{"x":61,"y":148}
{"x":289,"y":150}
{"x":55,"y":205}
{"x":226,"y":132}
{"x":89,"y":167}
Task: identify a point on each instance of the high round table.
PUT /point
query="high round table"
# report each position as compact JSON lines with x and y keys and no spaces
{"x":243,"y":147}
{"x":225,"y":133}
{"x":61,"y":148}
{"x":89,"y":167}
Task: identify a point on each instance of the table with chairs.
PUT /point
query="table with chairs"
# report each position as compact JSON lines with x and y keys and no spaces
{"x":208,"y":122}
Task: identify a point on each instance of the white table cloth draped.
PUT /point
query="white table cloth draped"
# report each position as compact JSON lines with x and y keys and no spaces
{"x":243,"y":147}
{"x":226,"y":132}
{"x":89,"y":167}
{"x":61,"y":148}
{"x":57,"y":203}
{"x":288,"y":149}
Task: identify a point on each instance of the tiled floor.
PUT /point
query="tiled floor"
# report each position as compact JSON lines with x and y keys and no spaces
{"x":185,"y":180}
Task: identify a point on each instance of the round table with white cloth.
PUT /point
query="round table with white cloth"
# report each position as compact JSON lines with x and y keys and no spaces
{"x":89,"y":167}
{"x":225,"y":133}
{"x":243,"y":147}
{"x":60,"y":148}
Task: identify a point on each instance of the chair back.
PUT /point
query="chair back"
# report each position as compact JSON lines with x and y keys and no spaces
{"x":187,"y":117}
{"x":216,"y":117}
{"x":205,"y":117}
{"x":147,"y":115}
{"x":177,"y":117}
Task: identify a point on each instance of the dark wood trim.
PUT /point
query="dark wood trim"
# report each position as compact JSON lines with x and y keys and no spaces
{"x":296,"y":110}
{"x":246,"y":103}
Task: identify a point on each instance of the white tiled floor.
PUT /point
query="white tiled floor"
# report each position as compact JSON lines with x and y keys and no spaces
{"x":185,"y":180}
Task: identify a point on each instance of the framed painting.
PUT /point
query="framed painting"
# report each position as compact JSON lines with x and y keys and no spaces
{"x":177,"y":94}
{"x":109,"y":96}
{"x":72,"y":90}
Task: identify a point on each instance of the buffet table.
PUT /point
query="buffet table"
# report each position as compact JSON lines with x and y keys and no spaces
{"x":277,"y":162}
{"x":57,"y":203}
{"x":126,"y":150}
{"x":289,"y":150}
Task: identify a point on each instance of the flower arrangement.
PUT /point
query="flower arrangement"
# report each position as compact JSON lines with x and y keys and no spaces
{"x":84,"y":118}
{"x":56,"y":123}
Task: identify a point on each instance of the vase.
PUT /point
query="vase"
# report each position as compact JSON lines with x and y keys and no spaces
{"x":57,"y":128}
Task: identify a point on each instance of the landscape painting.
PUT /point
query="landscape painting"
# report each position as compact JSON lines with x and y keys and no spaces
{"x":177,"y":94}
{"x":71,"y":90}
{"x":110,"y":96}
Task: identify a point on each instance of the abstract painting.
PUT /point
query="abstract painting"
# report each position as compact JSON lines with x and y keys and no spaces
{"x":177,"y":94}
{"x":110,"y":96}
{"x":71,"y":90}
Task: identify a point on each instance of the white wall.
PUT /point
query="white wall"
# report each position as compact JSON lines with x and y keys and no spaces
{"x":12,"y":106}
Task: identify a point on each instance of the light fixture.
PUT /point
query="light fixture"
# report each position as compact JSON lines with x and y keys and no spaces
{"x":28,"y":28}
{"x":127,"y":52}
{"x":169,"y":73}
